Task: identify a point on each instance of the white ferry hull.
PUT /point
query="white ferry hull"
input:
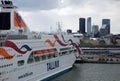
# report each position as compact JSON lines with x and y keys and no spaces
{"x":39,"y":71}
{"x":65,"y":65}
{"x":24,"y":65}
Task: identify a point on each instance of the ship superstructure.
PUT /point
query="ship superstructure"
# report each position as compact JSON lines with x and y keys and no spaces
{"x":31,"y":57}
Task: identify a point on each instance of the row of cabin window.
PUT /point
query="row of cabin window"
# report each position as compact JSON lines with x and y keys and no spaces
{"x":67,"y":52}
{"x":33,"y":59}
{"x":64,"y":49}
{"x":41,"y":58}
{"x":87,"y":52}
{"x":7,"y":65}
{"x":30,"y":42}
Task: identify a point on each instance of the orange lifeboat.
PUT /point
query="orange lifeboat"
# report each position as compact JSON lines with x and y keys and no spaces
{"x":38,"y":52}
{"x":43,"y":51}
{"x":51,"y":50}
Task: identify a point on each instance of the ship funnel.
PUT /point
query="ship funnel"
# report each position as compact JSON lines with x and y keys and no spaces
{"x":6,"y":4}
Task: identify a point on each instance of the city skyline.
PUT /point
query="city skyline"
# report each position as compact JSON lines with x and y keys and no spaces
{"x":94,"y":30}
{"x":45,"y":13}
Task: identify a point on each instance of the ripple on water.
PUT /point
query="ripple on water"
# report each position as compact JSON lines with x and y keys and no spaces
{"x":92,"y":72}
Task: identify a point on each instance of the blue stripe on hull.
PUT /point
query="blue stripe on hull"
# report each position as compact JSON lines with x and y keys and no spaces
{"x":56,"y":75}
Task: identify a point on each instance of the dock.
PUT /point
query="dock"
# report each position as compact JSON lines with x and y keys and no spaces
{"x":99,"y":55}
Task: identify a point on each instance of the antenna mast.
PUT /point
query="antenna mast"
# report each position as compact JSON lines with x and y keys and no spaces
{"x":59,"y":28}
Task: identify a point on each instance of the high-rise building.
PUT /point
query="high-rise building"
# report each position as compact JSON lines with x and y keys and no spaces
{"x":106,"y":22}
{"x":104,"y":30}
{"x":82,"y":25}
{"x":95,"y":30}
{"x":89,"y":25}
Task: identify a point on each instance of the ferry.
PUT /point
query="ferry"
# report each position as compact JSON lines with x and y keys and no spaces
{"x":26,"y":56}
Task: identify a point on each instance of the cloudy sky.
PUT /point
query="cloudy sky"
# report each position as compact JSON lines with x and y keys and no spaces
{"x":43,"y":15}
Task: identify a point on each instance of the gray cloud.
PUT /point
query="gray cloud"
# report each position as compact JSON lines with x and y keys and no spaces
{"x":49,"y":12}
{"x":36,"y":4}
{"x":52,"y":4}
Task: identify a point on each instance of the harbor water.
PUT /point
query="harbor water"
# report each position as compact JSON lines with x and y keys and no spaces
{"x":92,"y":72}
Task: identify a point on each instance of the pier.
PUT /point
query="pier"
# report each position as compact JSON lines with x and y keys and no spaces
{"x":99,"y":55}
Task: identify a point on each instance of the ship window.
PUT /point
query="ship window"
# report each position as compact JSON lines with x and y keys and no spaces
{"x":43,"y":57}
{"x":21,"y":62}
{"x":71,"y":51}
{"x":75,"y":50}
{"x":30,"y":59}
{"x":37,"y":58}
{"x":52,"y":55}
{"x":49,"y":56}
{"x":56,"y":54}
{"x":60,"y":54}
{"x":64,"y":52}
{"x":5,"y":21}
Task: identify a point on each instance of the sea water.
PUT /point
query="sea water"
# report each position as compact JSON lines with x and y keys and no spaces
{"x":92,"y":72}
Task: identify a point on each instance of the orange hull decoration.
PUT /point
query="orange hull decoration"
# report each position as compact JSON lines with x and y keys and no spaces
{"x":18,"y":21}
{"x":5,"y":54}
{"x":52,"y":44}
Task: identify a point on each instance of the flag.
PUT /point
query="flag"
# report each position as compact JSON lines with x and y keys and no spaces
{"x":18,"y":21}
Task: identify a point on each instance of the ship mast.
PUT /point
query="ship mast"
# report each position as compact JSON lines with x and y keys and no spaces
{"x":59,"y":28}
